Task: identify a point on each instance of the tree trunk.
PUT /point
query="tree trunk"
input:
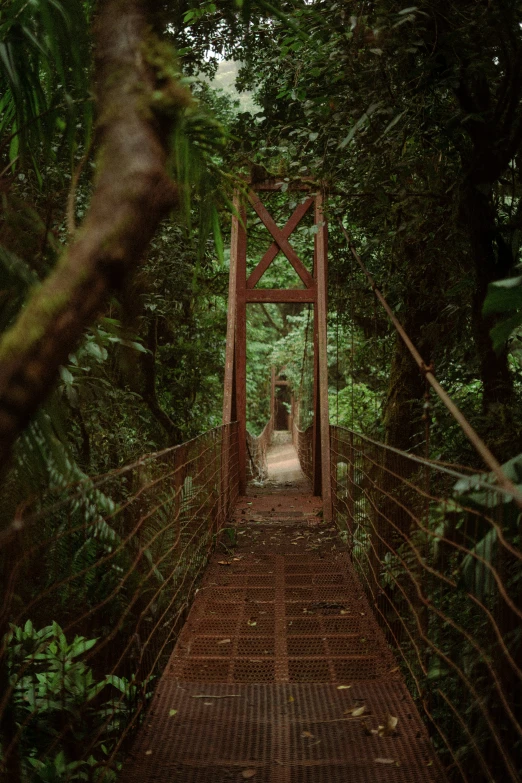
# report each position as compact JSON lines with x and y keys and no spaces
{"x":404,"y":403}
{"x":498,"y":394}
{"x":494,"y":370}
{"x":148,"y":364}
{"x":138,"y":102}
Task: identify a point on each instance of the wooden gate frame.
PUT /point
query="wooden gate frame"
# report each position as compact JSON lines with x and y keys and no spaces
{"x":242,"y":291}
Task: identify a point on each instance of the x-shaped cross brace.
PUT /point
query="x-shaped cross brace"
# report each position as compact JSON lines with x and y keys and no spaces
{"x":281,"y":242}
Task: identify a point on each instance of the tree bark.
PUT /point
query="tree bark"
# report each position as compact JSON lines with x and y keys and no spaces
{"x":404,"y":402}
{"x":480,"y":217}
{"x":139,"y":99}
{"x":148,"y":364}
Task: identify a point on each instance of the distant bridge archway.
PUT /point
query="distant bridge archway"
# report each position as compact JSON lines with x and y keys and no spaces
{"x":243,"y":290}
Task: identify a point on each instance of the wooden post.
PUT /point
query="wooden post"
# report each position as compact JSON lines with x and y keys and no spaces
{"x":229,"y":385}
{"x":321,"y":277}
{"x":241,"y":348}
{"x":316,"y":424}
{"x":272,"y":395}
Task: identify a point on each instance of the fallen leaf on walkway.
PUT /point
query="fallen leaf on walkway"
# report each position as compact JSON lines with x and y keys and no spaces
{"x":290,"y":699}
{"x":387,"y":761}
{"x":223,"y":562}
{"x":251,"y":623}
{"x":392,"y":671}
{"x":148,"y":753}
{"x":358,"y":711}
{"x":172,"y":713}
{"x":224,"y":641}
{"x":389,"y":727}
{"x":248,"y":773}
{"x":307,"y":734}
{"x":343,"y":687}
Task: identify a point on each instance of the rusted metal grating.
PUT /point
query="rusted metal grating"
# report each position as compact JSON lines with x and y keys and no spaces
{"x":254,"y":680}
{"x":294,"y":733}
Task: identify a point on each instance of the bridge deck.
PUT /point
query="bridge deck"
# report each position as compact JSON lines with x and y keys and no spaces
{"x":278,"y":658}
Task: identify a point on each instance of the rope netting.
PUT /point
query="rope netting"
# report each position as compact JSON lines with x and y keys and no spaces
{"x":302,"y":440}
{"x":257,"y":447}
{"x":438,"y":553}
{"x":96,"y":583}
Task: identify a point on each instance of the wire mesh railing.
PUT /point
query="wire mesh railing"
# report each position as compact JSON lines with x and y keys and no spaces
{"x":96,"y":582}
{"x":257,"y":448}
{"x":438,"y":553}
{"x":302,"y":440}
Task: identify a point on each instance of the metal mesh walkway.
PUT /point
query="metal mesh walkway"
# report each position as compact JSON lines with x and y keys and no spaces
{"x":281,"y":674}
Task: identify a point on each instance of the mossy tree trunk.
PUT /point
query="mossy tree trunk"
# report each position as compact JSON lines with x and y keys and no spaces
{"x":139,"y":100}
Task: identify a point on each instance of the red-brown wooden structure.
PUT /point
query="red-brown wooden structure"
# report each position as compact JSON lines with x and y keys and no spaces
{"x":242,"y":291}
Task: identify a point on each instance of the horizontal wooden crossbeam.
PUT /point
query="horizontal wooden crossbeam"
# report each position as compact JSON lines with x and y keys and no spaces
{"x":268,"y":295}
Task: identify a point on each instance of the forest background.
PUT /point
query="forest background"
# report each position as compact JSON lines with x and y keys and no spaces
{"x":119,"y":156}
{"x":412,"y":120}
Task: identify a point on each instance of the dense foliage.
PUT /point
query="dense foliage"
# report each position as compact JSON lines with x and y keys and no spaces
{"x":410,"y":118}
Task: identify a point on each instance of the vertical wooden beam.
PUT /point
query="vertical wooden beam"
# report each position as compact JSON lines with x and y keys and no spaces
{"x":229,"y":391}
{"x":316,"y":423}
{"x":241,"y":346}
{"x":321,"y":276}
{"x":229,"y":386}
{"x":272,"y":393}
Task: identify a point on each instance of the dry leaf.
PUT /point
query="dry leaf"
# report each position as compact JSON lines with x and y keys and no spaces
{"x":148,"y":753}
{"x":389,"y":762}
{"x":248,"y":773}
{"x":391,"y":723}
{"x":172,"y":713}
{"x":389,"y":727}
{"x":223,"y":562}
{"x":343,"y":687}
{"x":224,"y":641}
{"x":307,"y":734}
{"x":290,"y":699}
{"x":251,"y":623}
{"x":358,"y":711}
{"x":392,"y":671}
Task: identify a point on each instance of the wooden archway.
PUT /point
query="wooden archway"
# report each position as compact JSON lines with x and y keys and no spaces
{"x":242,"y":291}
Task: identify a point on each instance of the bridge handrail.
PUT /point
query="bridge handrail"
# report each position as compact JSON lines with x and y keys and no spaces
{"x":102,"y":572}
{"x":257,"y":447}
{"x":440,"y":566}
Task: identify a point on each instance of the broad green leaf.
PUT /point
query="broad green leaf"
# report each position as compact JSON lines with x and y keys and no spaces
{"x":503,"y":296}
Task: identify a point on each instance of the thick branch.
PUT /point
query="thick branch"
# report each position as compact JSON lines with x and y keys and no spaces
{"x":138,"y":99}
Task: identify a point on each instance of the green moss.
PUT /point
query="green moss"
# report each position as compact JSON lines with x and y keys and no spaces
{"x":170,"y":95}
{"x":30,"y":328}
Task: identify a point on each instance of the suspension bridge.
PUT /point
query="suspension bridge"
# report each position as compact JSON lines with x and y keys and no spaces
{"x":305,"y":606}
